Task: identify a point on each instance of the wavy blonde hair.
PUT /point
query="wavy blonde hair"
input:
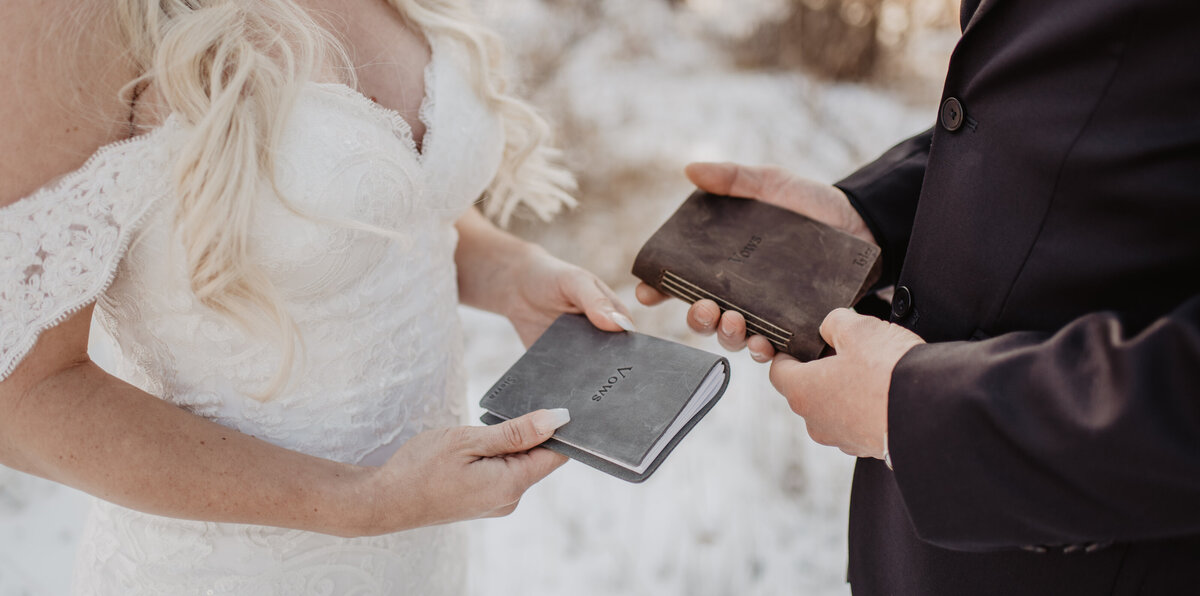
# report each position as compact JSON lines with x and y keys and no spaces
{"x":232,"y":69}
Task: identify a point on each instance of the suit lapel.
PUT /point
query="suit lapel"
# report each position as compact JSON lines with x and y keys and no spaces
{"x":965,"y":11}
{"x":972,"y":11}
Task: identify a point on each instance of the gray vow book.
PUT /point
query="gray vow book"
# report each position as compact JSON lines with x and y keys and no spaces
{"x":632,"y":397}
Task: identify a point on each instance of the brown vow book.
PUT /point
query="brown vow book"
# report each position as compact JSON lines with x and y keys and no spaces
{"x":783,"y":271}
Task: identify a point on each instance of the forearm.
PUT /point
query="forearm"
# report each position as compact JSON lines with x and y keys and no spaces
{"x":485,"y":257}
{"x":84,"y":428}
{"x":1089,"y":434}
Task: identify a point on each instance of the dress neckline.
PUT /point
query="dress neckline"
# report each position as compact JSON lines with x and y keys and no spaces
{"x":396,"y":121}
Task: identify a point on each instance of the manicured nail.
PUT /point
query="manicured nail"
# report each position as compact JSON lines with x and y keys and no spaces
{"x":546,"y":422}
{"x":622,"y":321}
{"x":758,"y":356}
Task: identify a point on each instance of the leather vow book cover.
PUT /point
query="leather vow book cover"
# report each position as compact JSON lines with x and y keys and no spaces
{"x":783,"y":271}
{"x":632,"y":397}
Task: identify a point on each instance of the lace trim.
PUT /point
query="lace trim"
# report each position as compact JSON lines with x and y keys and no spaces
{"x":395,"y":120}
{"x":60,"y":247}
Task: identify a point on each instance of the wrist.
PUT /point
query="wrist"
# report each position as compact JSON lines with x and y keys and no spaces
{"x":510,"y":283}
{"x":489,"y":261}
{"x":366,"y":510}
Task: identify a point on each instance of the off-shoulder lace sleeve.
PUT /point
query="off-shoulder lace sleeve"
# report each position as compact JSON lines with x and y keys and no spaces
{"x":60,"y":247}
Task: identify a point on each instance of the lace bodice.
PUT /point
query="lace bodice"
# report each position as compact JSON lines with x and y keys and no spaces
{"x":379,"y":356}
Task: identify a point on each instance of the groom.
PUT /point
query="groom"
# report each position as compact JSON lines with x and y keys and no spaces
{"x":1037,"y":390}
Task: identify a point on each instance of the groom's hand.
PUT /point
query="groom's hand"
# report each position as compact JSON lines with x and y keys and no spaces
{"x":778,"y":187}
{"x":844,"y":398}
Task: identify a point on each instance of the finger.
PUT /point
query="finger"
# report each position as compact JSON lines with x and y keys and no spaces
{"x":731,"y":333}
{"x":728,"y":179}
{"x":761,"y":350}
{"x":646,"y":294}
{"x":529,"y":468}
{"x":519,"y":434}
{"x":787,"y":375}
{"x":618,"y":304}
{"x":702,"y":317}
{"x":837,"y":326}
{"x":539,"y":463}
{"x":584,"y":290}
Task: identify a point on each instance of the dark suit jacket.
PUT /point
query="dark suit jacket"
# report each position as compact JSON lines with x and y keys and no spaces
{"x":1044,"y":237}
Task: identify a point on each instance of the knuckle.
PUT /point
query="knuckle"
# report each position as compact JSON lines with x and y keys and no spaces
{"x":585,"y":283}
{"x":818,"y":437}
{"x":457,"y":436}
{"x":514,"y":435}
{"x":774,"y":179}
{"x":738,"y":180}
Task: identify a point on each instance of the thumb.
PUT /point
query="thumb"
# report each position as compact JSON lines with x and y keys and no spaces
{"x":841,"y":326}
{"x":599,"y":304}
{"x":520,"y":434}
{"x":727,"y":179}
{"x":785,"y":372}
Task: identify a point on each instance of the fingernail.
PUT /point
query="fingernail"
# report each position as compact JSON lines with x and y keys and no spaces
{"x":621,"y":320}
{"x":726,"y":326}
{"x":758,"y":356}
{"x":546,"y":422}
{"x":705,"y":321}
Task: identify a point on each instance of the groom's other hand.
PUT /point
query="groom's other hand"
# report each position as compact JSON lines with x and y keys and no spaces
{"x":844,"y":398}
{"x":778,"y":187}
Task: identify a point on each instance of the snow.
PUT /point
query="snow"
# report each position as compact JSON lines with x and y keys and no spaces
{"x":747,"y":504}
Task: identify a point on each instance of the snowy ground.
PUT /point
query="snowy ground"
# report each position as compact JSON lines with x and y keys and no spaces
{"x":747,"y":504}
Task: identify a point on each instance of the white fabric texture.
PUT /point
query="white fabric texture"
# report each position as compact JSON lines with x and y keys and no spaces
{"x":381,"y":344}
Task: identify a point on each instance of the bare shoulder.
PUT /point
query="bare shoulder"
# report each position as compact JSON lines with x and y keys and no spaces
{"x":62,"y":66}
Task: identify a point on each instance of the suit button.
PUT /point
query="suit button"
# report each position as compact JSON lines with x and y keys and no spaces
{"x":1035,"y":548}
{"x":1071,"y":549}
{"x":952,"y":115}
{"x":902,"y":302}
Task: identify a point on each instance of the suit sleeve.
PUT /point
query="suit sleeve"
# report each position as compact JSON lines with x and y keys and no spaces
{"x":1087,"y":434}
{"x":885,"y":193}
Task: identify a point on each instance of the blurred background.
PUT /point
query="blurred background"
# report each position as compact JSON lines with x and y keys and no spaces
{"x":636,"y":89}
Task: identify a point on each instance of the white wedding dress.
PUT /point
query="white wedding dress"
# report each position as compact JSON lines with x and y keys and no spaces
{"x":380,"y":359}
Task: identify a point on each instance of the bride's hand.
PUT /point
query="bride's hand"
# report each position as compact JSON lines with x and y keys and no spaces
{"x":520,"y":280}
{"x":545,"y":287}
{"x":453,"y":474}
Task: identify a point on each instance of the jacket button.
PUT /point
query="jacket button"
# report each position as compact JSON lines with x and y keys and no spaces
{"x":1035,"y":548}
{"x":902,"y":302}
{"x":952,"y":115}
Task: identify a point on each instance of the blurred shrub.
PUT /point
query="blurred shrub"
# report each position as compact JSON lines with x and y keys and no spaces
{"x":832,"y":38}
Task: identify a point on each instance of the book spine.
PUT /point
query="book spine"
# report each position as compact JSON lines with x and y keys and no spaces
{"x":673,"y":284}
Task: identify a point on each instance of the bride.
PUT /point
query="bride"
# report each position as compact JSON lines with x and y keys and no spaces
{"x":266,"y":207}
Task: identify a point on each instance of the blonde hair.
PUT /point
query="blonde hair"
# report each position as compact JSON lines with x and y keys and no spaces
{"x":231,"y":70}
